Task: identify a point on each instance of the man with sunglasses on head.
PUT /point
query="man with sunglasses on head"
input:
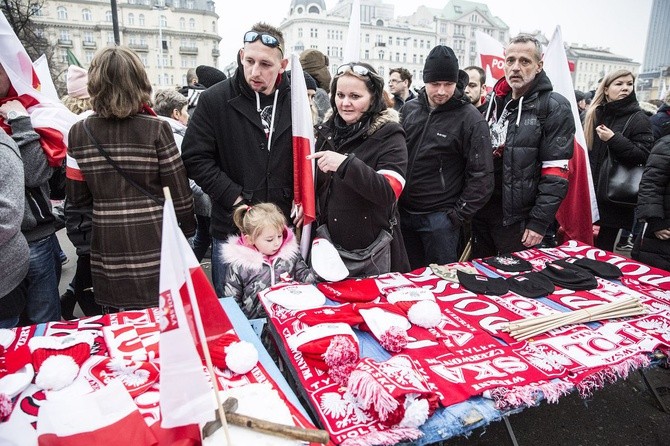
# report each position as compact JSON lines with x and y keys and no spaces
{"x":238,"y":146}
{"x":449,"y":172}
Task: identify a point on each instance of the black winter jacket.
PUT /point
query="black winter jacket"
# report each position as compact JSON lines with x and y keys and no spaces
{"x":660,"y":122}
{"x":450,"y":166}
{"x":529,"y":192}
{"x":653,"y":205}
{"x":225,"y":149}
{"x":356,"y":202}
{"x":630,"y":146}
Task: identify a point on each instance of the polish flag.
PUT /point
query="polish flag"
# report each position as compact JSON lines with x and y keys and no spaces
{"x":303,"y":145}
{"x":352,"y":47}
{"x":50,"y":118}
{"x":186,"y":395}
{"x":491,"y":57}
{"x":106,"y":416}
{"x":579,"y":209}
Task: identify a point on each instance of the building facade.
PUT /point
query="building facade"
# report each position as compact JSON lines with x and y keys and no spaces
{"x":388,"y":42}
{"x":657,"y":48}
{"x":591,"y":64}
{"x":170,"y":36}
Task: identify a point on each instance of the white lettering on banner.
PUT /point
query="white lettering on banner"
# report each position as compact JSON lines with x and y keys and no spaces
{"x":481,"y":307}
{"x":498,"y":383}
{"x":493,"y":324}
{"x":574,"y":301}
{"x":498,"y":63}
{"x":148,"y":404}
{"x":496,"y":368}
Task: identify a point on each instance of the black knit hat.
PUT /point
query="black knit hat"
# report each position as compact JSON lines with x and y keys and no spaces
{"x":509,"y":263}
{"x":605,"y":270}
{"x":441,"y":65}
{"x":208,"y":76}
{"x":568,"y":276}
{"x":482,"y":284}
{"x":531,"y":285}
{"x":309,"y":81}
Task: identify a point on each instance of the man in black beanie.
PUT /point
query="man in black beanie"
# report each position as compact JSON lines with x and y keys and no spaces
{"x":450,"y":163}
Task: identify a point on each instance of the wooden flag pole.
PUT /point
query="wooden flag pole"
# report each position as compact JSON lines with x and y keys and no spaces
{"x":203,"y":339}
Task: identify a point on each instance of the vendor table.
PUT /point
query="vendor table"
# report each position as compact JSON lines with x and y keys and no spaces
{"x":651,"y":286}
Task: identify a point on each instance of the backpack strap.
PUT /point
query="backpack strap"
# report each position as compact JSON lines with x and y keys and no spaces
{"x":543,"y":107}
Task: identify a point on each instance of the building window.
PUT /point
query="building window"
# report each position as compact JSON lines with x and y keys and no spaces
{"x":390,"y":40}
{"x":190,"y":4}
{"x":299,"y":33}
{"x":459,"y":30}
{"x":63,"y":55}
{"x":314,"y":33}
{"x":36,"y":10}
{"x":110,"y":38}
{"x":108,"y":16}
{"x":88,"y":56}
{"x":162,"y":21}
{"x":443,"y":28}
{"x":61,"y":12}
{"x":131,"y":19}
{"x":473,"y":18}
{"x":182,"y":23}
{"x":213,"y":26}
{"x":191,"y":24}
{"x":367,"y":38}
{"x":88,"y":36}
{"x":366,"y":54}
{"x":86,"y":15}
{"x":144,"y":59}
{"x":141,"y":19}
{"x":64,"y":34}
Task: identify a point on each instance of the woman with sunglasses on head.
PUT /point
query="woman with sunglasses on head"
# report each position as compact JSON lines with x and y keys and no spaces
{"x":615,"y":127}
{"x":361,"y":158}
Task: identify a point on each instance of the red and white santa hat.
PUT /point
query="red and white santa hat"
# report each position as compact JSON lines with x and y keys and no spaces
{"x":332,"y":347}
{"x":229,"y":352}
{"x":57,"y":359}
{"x":418,"y":303}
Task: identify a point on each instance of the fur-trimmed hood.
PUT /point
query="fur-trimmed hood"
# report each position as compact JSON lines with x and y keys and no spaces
{"x":386,"y":116}
{"x":236,"y":252}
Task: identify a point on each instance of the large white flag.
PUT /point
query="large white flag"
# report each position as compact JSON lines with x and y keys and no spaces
{"x":303,"y":145}
{"x":491,"y":56}
{"x":352,"y":47}
{"x":186,"y":395}
{"x":579,"y":209}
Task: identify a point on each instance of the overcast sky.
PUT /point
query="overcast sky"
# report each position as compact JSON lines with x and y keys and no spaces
{"x":620,"y":25}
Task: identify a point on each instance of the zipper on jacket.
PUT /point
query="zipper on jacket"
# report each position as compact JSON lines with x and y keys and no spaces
{"x":444,"y":184}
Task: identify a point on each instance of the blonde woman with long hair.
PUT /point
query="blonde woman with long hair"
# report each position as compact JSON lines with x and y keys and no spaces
{"x":615,"y":126}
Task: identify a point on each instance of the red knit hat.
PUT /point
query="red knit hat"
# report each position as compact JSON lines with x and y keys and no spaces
{"x":229,"y":352}
{"x":57,"y":359}
{"x":351,"y":290}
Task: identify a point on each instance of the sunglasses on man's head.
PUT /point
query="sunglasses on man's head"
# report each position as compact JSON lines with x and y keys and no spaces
{"x":358,"y":69}
{"x":266,"y":39}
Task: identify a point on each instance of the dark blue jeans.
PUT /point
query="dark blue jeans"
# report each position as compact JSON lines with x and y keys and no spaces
{"x":43,"y":303}
{"x":219,"y":268}
{"x":429,"y":238}
{"x":202,"y":239}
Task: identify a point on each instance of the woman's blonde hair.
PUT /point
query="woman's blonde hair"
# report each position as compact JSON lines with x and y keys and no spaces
{"x":251,"y":220}
{"x":76,"y":105}
{"x":118,"y":83}
{"x":599,"y":98}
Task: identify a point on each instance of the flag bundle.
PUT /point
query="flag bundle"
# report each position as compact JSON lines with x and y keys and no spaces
{"x":303,"y":145}
{"x":579,"y":209}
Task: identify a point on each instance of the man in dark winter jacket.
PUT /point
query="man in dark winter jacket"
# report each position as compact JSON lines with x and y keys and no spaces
{"x":449,"y":173}
{"x":660,"y":122}
{"x":238,"y":145}
{"x":192,"y":90}
{"x":532,"y":134}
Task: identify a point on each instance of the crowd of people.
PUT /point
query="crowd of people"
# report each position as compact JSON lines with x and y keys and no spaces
{"x":404,"y":177}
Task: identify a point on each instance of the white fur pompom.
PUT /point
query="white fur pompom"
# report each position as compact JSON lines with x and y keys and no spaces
{"x":56,"y":372}
{"x":416,"y":412}
{"x":241,"y":357}
{"x":425,"y":313}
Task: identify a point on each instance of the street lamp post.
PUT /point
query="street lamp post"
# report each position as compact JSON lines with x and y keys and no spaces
{"x":160,"y":6}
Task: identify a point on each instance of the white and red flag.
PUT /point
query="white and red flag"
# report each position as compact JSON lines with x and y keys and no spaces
{"x":303,"y":145}
{"x":491,"y":57}
{"x":352,"y":46}
{"x":186,"y":395}
{"x":50,"y":118}
{"x":579,"y":209}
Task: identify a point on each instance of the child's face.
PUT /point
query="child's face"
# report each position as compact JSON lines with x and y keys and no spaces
{"x":269,"y":241}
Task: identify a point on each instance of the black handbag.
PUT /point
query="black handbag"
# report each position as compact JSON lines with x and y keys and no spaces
{"x":619,"y":183}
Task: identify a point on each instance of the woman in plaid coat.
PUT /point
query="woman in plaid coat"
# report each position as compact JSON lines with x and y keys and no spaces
{"x":126,"y":235}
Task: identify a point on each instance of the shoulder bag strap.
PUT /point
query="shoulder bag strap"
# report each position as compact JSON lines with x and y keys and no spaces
{"x":103,"y":152}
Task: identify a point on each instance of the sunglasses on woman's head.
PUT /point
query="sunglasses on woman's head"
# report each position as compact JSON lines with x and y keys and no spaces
{"x":266,"y":39}
{"x":358,"y":69}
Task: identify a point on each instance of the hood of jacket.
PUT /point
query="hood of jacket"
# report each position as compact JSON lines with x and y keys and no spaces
{"x":236,"y":252}
{"x":378,"y":121}
{"x":537,"y":85}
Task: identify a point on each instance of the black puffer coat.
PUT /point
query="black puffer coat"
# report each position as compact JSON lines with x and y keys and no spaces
{"x":450,"y":158}
{"x":629,"y":146}
{"x":527,"y":193}
{"x":653,"y":206}
{"x":356,"y":201}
